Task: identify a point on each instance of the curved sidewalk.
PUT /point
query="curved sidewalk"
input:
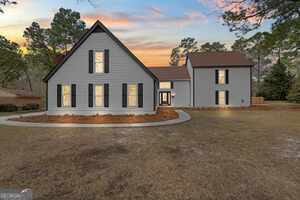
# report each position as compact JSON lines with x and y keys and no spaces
{"x":183,"y":117}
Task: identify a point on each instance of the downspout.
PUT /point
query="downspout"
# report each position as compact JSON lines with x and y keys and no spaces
{"x":47,"y":96}
{"x":193,"y":87}
{"x":154,"y":95}
{"x":251,"y":85}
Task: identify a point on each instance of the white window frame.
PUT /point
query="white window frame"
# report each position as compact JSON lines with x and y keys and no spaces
{"x":222,"y":81}
{"x":136,"y":96}
{"x":95,"y":63}
{"x":63,"y":96}
{"x":165,"y":83}
{"x":95,"y":96}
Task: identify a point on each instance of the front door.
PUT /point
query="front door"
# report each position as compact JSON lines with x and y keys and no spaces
{"x":165,"y":98}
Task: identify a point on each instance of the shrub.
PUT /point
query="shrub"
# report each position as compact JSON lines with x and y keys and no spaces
{"x":277,"y":83}
{"x":8,"y":108}
{"x":31,"y":106}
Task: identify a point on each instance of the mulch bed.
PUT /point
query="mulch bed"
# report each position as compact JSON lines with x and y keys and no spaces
{"x":163,"y":114}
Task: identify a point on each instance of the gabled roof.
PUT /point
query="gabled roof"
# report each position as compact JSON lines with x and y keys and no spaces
{"x":97,"y":27}
{"x":170,"y":73}
{"x":219,"y":59}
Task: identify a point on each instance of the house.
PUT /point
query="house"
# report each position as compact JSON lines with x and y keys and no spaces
{"x":100,"y":75}
{"x":213,"y":79}
{"x":220,"y":79}
{"x":174,"y":86}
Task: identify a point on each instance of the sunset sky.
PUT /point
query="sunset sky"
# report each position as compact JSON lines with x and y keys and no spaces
{"x":149,"y":28}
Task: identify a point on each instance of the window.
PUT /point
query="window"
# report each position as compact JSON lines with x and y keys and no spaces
{"x":165,"y":85}
{"x":221,"y":76}
{"x":99,"y":96}
{"x":132,"y":95}
{"x":66,"y":90}
{"x":99,"y":61}
{"x":222,"y":98}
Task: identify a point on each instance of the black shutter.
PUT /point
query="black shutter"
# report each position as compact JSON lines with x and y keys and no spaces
{"x":73,"y":94}
{"x":91,"y":95}
{"x":217,"y":97}
{"x":217,"y":76}
{"x":106,"y":61}
{"x":124,"y":95}
{"x":106,"y":95}
{"x":140,"y":95}
{"x":172,"y":85}
{"x":227,"y":97}
{"x":58,"y":92}
{"x":91,"y":61}
{"x":227,"y":76}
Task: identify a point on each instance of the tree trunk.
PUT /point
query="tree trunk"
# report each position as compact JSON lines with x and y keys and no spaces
{"x":279,"y":55}
{"x":66,"y":49}
{"x":29,"y":80}
{"x":258,"y":70}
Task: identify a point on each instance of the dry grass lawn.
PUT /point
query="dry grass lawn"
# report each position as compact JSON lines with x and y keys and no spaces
{"x":235,"y":154}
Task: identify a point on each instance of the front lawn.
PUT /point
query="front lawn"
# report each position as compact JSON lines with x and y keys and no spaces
{"x":229,"y":154}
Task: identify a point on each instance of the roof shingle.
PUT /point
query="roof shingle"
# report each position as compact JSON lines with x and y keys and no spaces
{"x":170,"y":73}
{"x":217,"y":59}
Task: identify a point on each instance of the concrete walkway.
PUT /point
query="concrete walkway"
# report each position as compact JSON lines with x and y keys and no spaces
{"x":183,"y":117}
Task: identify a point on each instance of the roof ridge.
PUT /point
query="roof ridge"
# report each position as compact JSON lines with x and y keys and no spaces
{"x":84,"y":37}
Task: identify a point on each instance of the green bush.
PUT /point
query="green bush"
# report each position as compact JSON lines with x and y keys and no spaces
{"x":31,"y":106}
{"x":8,"y":108}
{"x":277,"y":83}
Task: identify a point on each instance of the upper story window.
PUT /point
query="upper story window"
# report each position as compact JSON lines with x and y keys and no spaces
{"x":99,"y":62}
{"x":132,"y":95}
{"x":99,"y":96}
{"x":165,"y":85}
{"x":222,"y":76}
{"x":66,"y":97}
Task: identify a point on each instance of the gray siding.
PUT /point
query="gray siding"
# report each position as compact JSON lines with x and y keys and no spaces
{"x":181,"y":93}
{"x":123,"y":69}
{"x":238,"y":87}
{"x":190,"y":70}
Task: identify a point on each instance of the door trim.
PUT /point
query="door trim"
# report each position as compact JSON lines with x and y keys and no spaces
{"x":168,"y":103}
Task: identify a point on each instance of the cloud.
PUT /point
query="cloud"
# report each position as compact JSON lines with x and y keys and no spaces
{"x":229,"y":5}
{"x":153,"y":17}
{"x":155,"y":11}
{"x":110,"y":19}
{"x":144,"y":31}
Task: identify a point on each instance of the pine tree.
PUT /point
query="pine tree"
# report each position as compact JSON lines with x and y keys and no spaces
{"x":277,"y":83}
{"x":294,"y":94}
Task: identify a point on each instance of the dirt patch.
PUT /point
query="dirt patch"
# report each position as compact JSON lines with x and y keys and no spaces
{"x":216,"y":155}
{"x":262,"y":107}
{"x":163,"y":114}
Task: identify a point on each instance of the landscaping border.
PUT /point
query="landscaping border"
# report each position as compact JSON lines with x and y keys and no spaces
{"x":4,"y":120}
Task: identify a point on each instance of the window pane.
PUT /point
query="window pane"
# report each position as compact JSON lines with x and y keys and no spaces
{"x":132,"y":101}
{"x":99,"y":68}
{"x":165,"y":85}
{"x":99,"y":96}
{"x":221,"y":76}
{"x":132,"y":95}
{"x":66,"y":95}
{"x":98,"y":56}
{"x":222,"y":98}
